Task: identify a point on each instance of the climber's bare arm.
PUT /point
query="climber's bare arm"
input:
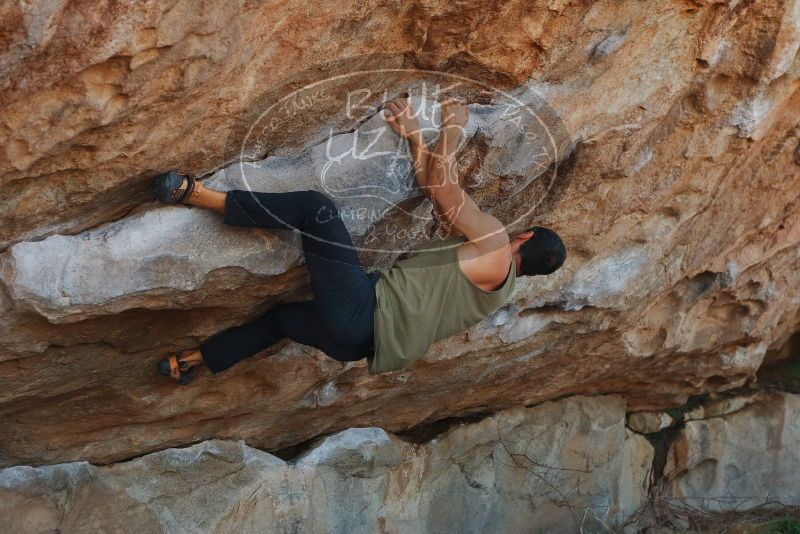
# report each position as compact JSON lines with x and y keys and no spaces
{"x":486,"y":255}
{"x":485,"y":232}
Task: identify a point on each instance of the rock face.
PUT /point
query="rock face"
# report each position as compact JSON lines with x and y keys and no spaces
{"x":558,"y":467}
{"x":738,"y":461}
{"x":668,"y":167}
{"x":563,"y":466}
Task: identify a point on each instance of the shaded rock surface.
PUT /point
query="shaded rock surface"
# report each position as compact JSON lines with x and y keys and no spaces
{"x":649,"y":422}
{"x":559,"y":467}
{"x":739,"y":460}
{"x":671,"y":176}
{"x":564,"y":466}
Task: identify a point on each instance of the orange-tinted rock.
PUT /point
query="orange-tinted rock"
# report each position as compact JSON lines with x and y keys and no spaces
{"x":677,"y":194}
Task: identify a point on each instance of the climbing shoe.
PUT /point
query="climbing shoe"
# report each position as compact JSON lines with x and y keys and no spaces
{"x":175,"y":368}
{"x":170,"y":188}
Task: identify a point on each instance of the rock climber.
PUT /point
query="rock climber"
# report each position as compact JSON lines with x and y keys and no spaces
{"x":390,"y":317}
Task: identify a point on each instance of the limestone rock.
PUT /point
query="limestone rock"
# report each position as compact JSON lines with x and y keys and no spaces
{"x":151,"y":260}
{"x":159,"y":255}
{"x":670,"y":172}
{"x":649,"y":422}
{"x":723,"y":406}
{"x":561,"y":466}
{"x":740,"y":460}
{"x":94,"y":99}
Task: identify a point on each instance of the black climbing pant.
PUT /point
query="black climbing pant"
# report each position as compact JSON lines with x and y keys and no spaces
{"x":338,"y":321}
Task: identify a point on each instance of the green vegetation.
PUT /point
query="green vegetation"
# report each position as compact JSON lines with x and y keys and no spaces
{"x":786,"y":525}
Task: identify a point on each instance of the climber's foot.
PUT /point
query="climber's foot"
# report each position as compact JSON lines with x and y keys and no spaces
{"x":172,"y":187}
{"x":178,"y":368}
{"x":401,"y":118}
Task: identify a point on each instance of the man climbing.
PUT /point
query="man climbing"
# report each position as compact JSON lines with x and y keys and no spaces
{"x":388,"y":317}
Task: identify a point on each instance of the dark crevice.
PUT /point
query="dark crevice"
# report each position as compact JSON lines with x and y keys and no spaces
{"x":426,"y":431}
{"x":545,"y":308}
{"x":691,"y":403}
{"x":136,"y":456}
{"x":781,"y":370}
{"x":418,"y":434}
{"x":661,"y":442}
{"x":293,"y":452}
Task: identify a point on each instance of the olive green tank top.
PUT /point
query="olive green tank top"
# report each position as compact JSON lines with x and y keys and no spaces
{"x":424,"y":298}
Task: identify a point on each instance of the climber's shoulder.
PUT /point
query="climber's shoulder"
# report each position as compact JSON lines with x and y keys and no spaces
{"x":485,"y":261}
